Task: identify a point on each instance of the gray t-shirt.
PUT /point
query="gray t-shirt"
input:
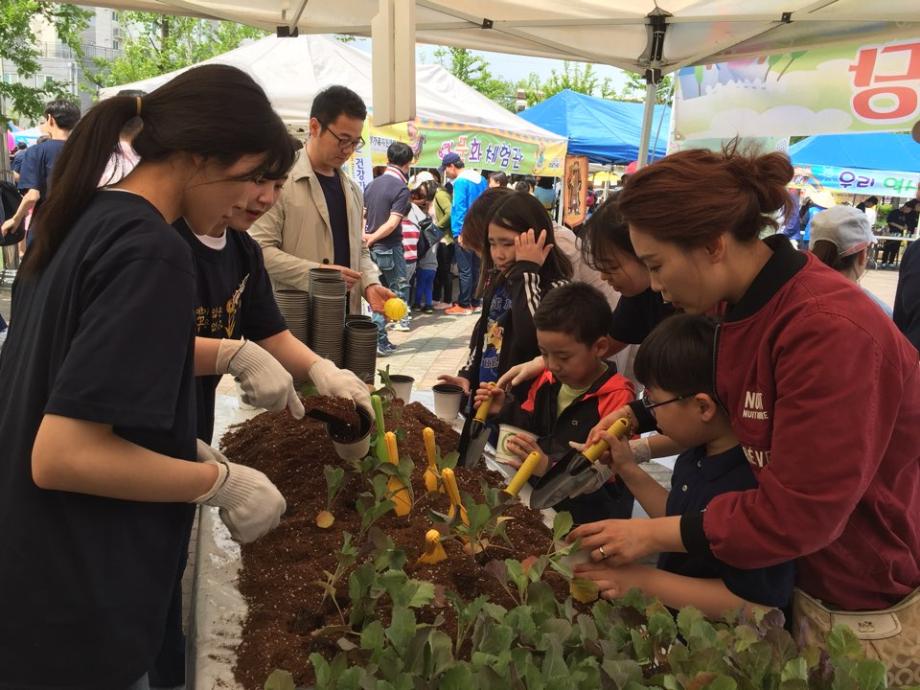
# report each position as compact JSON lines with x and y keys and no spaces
{"x":386,"y":194}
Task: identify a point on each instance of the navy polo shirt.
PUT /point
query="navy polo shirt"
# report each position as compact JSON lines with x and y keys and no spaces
{"x":698,"y":479}
{"x":386,"y":194}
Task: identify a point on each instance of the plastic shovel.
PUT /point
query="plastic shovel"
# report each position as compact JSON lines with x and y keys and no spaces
{"x":474,"y":441}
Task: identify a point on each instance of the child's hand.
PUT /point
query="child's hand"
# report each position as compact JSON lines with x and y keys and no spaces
{"x":526,"y":248}
{"x":522,"y":446}
{"x":461,"y":381}
{"x":613,"y":582}
{"x":621,"y":454}
{"x":490,"y":390}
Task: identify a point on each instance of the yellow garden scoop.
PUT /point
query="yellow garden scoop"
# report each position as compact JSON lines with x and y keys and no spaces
{"x":453,"y":493}
{"x":475,"y":437}
{"x":576,"y":472}
{"x":434,"y":552}
{"x":399,"y":494}
{"x":431,"y":477}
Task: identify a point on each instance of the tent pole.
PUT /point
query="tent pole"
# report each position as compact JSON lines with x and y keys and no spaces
{"x":651,"y":95}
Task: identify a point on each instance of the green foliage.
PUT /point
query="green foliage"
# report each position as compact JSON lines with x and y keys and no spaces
{"x":474,"y":71}
{"x":17,"y":47}
{"x":576,"y":76}
{"x":162,"y":43}
{"x":335,"y":478}
{"x":634,"y":90}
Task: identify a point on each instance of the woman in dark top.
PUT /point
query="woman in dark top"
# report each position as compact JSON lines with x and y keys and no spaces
{"x":97,"y":412}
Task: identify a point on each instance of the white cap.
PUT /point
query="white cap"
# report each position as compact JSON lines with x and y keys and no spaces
{"x":846,"y":227}
{"x":416,"y":180}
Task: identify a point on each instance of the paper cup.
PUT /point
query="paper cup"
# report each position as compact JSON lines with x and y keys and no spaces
{"x":504,"y":454}
{"x":402,"y":384}
{"x":447,"y":399}
{"x":353,"y":449}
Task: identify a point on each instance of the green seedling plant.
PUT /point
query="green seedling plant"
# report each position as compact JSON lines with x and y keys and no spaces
{"x":346,"y":557}
{"x":335,"y":478}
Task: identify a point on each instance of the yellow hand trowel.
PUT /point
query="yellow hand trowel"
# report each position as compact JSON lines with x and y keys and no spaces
{"x":570,"y":476}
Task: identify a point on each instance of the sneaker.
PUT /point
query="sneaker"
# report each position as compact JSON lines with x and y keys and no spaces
{"x":441,"y":306}
{"x":402,"y":326}
{"x":457,"y":310}
{"x":477,"y":309}
{"x":428,"y":310}
{"x":383,"y":351}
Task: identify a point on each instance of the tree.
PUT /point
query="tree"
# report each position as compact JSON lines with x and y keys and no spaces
{"x":161,"y":43}
{"x":473,"y":70}
{"x":577,"y":77}
{"x":634,"y":90}
{"x":17,"y":47}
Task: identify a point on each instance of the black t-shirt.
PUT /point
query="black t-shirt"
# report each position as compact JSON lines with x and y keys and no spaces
{"x":104,"y":334}
{"x":234,"y":300}
{"x":698,"y":479}
{"x":386,"y":194}
{"x":635,"y":317}
{"x":896,"y":216}
{"x":338,"y":216}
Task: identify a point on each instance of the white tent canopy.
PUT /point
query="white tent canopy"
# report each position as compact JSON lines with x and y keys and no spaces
{"x":611,"y":32}
{"x":293,"y":70}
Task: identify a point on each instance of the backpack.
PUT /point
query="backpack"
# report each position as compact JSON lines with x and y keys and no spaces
{"x":429,"y":235}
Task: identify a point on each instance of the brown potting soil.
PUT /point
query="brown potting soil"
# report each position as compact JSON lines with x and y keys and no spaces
{"x":288,"y":617}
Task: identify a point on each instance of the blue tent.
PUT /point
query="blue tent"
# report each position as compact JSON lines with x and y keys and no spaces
{"x":897,"y":152}
{"x":604,"y":131}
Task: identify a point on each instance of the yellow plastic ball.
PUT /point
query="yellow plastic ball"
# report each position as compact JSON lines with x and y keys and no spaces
{"x":395,"y":309}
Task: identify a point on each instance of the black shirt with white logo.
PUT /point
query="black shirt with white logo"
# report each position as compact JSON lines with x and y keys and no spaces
{"x":104,"y":334}
{"x":234,"y":300}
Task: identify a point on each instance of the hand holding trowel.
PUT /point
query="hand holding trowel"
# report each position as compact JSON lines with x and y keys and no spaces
{"x":573,"y":475}
{"x":476,"y":435}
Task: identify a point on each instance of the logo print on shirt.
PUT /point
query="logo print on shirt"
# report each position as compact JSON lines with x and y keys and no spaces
{"x":233,"y":306}
{"x":753,"y":406}
{"x":758,"y":458}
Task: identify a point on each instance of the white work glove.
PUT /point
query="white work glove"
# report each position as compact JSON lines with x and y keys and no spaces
{"x":641,"y":450}
{"x":264,"y":381}
{"x":250,"y":505}
{"x":340,"y":383}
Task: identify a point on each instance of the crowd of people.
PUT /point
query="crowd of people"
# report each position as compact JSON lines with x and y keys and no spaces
{"x":790,"y":398}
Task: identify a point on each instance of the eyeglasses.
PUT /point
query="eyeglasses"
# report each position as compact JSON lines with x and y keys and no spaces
{"x":346,"y":143}
{"x":650,"y":404}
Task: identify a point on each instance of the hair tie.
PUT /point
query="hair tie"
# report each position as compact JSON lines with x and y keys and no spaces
{"x":138,"y":98}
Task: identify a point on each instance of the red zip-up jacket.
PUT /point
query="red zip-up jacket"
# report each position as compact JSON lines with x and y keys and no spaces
{"x":823,"y":393}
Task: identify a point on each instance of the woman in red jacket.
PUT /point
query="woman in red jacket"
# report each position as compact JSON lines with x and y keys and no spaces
{"x":822,"y":390}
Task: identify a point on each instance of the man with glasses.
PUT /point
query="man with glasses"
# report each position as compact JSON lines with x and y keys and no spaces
{"x":318,"y":219}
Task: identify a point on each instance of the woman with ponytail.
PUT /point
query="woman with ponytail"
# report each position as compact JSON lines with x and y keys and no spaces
{"x":99,"y":479}
{"x":821,"y":389}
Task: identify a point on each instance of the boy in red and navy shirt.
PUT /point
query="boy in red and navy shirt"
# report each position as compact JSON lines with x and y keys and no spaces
{"x":575,"y":391}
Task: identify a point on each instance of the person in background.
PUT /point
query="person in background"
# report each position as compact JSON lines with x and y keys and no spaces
{"x":442,"y":290}
{"x":317,"y":222}
{"x":498,"y":179}
{"x":468,"y":186}
{"x":386,"y":203}
{"x":522,"y":186}
{"x":912,"y":216}
{"x":60,"y":117}
{"x":897,"y":226}
{"x":412,"y":226}
{"x":842,"y":239}
{"x":429,"y":243}
{"x":546,"y":193}
{"x":102,"y":471}
{"x":870,"y":208}
{"x":16,"y":160}
{"x":907,"y":296}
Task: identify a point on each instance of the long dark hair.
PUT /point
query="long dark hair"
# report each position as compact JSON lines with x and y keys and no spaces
{"x":187,"y":114}
{"x":519,"y":212}
{"x":605,"y":232}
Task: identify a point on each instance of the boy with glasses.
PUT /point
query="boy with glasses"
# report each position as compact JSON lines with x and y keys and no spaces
{"x":318,"y":218}
{"x":675,"y":362}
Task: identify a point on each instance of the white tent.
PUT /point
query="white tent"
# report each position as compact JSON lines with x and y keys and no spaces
{"x":651,"y":37}
{"x":615,"y":32}
{"x":292,"y":70}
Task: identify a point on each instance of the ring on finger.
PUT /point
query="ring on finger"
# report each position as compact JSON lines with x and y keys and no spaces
{"x":603,"y":553}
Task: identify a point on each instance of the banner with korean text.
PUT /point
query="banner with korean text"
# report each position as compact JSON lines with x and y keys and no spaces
{"x":857,"y":180}
{"x":860,"y":88}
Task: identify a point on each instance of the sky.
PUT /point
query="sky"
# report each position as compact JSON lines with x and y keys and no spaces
{"x":512,"y":67}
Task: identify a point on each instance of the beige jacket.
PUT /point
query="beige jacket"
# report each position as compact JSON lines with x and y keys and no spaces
{"x":295,"y":234}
